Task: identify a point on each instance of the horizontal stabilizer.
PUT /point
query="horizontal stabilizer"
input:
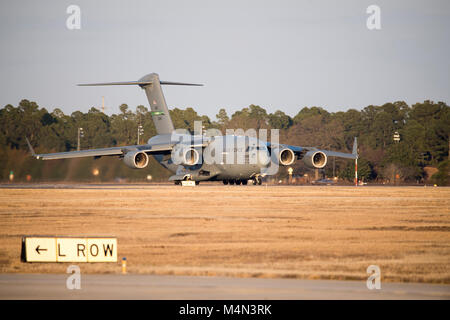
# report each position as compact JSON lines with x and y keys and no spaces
{"x":151,"y":84}
{"x":180,"y":83}
{"x":139,"y":83}
{"x":122,"y":83}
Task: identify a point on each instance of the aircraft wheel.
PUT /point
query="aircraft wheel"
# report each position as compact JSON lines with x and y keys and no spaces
{"x":259,"y":181}
{"x":244,"y":182}
{"x":231,"y":182}
{"x":197,"y":183}
{"x":225,"y":182}
{"x":238,"y":182}
{"x":177,"y":183}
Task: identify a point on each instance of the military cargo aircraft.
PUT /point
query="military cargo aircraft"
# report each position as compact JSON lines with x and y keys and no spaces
{"x":233,"y":159}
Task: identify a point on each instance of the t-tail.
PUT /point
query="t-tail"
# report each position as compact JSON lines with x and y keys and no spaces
{"x":158,"y":106}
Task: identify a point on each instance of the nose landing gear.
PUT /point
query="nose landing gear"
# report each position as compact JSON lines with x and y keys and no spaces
{"x":257,"y":180}
{"x":186,"y":178}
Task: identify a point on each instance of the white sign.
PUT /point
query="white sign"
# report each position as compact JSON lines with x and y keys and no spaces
{"x":41,"y":249}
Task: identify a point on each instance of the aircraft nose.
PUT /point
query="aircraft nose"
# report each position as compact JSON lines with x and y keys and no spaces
{"x":263,"y":158}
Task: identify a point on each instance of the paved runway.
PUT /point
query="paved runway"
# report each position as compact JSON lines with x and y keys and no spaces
{"x":53,"y":286}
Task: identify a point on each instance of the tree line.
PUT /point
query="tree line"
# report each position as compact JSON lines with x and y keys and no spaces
{"x":423,"y":128}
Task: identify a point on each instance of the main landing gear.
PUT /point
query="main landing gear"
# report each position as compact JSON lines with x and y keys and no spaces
{"x":243,"y":182}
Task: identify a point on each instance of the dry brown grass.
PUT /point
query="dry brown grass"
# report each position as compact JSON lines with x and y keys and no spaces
{"x":292,"y":232}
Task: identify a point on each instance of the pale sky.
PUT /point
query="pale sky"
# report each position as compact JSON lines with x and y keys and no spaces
{"x":278,"y":54}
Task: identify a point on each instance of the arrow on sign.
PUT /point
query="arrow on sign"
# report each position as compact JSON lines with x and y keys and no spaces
{"x":38,"y":250}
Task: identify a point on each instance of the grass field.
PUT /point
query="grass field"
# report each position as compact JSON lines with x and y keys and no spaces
{"x":252,"y":231}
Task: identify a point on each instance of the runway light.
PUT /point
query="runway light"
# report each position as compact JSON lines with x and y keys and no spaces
{"x":95,"y":172}
{"x":124,"y":265}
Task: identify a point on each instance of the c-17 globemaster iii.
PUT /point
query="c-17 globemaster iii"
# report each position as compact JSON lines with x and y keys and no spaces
{"x":233,"y":159}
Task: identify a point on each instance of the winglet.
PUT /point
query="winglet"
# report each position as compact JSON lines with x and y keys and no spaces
{"x":355,"y":147}
{"x":31,"y":149}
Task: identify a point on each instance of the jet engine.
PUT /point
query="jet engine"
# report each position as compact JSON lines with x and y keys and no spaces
{"x":185,"y":155}
{"x":190,"y":157}
{"x":315,"y":159}
{"x":286,"y":157}
{"x":136,"y":159}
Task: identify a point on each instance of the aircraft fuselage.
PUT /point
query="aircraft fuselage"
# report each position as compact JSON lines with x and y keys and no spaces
{"x":227,"y":157}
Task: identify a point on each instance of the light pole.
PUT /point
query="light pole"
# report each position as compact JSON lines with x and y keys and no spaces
{"x":80,"y":135}
{"x":140,"y":132}
{"x":334,"y":167}
{"x":396,"y":140}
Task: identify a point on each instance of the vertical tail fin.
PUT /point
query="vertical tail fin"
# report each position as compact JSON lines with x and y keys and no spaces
{"x":160,"y":112}
{"x":30,"y":147}
{"x":355,"y":147}
{"x":152,"y":87}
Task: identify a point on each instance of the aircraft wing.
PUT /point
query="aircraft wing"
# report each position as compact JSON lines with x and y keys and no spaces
{"x":80,"y":154}
{"x":300,"y":151}
{"x":114,"y":151}
{"x":338,"y":154}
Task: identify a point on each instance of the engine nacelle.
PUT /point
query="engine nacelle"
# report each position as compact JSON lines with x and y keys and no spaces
{"x":136,"y":159}
{"x":190,"y":157}
{"x":315,"y":159}
{"x":185,"y":155}
{"x":286,"y":157}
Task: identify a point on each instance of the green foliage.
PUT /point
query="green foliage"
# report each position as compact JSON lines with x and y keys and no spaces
{"x":424,"y":130}
{"x":279,"y":120}
{"x":442,"y":177}
{"x":365,"y":171}
{"x":184,"y":119}
{"x":222,"y":117}
{"x":306,"y":113}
